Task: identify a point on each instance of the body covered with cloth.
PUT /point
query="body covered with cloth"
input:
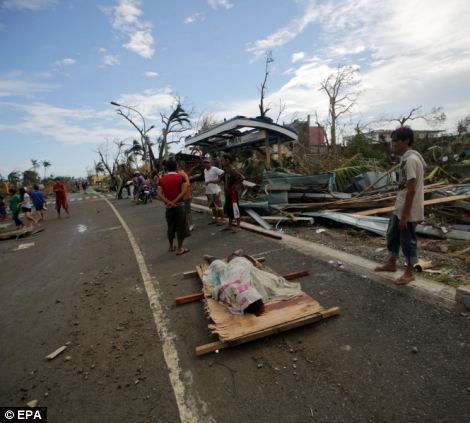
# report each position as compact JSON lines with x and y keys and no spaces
{"x":239,"y":284}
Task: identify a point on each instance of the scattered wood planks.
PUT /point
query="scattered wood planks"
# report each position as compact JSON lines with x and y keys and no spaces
{"x":426,"y":203}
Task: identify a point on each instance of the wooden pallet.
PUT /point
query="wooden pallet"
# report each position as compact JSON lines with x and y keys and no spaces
{"x":279,"y":316}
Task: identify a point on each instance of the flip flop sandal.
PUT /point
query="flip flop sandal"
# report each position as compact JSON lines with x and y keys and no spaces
{"x":186,"y":250}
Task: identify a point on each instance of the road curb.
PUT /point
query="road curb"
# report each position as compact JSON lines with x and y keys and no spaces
{"x":422,"y":288}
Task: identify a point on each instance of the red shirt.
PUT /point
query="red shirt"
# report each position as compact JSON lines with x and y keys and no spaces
{"x":171,"y":185}
{"x":59,"y":189}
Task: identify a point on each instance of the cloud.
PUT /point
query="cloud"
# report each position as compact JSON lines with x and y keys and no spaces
{"x":297,"y":57}
{"x":287,"y":33}
{"x":65,"y":62}
{"x":401,"y":67}
{"x":11,"y":86}
{"x":110,"y":60}
{"x":126,"y":19}
{"x":69,"y":126}
{"x":28,"y":4}
{"x":198,"y":16}
{"x":74,"y":126}
{"x":151,"y":74}
{"x":215,"y":4}
{"x":149,"y":103}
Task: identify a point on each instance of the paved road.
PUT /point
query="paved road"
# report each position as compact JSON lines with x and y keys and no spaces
{"x":387,"y":358}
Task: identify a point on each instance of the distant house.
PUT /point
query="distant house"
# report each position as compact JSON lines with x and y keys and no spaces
{"x":317,"y":136}
{"x":379,"y":136}
{"x":313,"y":137}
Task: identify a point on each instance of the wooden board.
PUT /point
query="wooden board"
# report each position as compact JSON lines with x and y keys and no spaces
{"x":426,"y":203}
{"x":196,"y":296}
{"x":278,"y":316}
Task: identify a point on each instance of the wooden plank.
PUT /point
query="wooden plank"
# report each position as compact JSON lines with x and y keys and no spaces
{"x":426,"y":203}
{"x":295,"y":275}
{"x":205,"y":349}
{"x":258,"y":219}
{"x":189,"y":274}
{"x":195,"y":296}
{"x":55,"y":353}
{"x":259,"y":230}
{"x":211,"y":347}
{"x":369,"y":187}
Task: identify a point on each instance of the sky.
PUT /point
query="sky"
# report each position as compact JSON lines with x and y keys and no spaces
{"x":63,"y":61}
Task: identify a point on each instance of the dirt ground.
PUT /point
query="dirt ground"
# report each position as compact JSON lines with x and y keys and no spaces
{"x":454,"y":269}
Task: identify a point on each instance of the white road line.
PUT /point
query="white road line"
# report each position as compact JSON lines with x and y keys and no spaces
{"x":187,"y":414}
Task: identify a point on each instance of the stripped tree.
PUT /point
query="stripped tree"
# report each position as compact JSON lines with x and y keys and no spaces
{"x":433,"y":118}
{"x":342,"y":92}
{"x":263,"y":110}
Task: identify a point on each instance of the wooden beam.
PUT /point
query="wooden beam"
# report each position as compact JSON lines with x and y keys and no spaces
{"x":295,"y":275}
{"x":369,"y":187}
{"x":257,"y":229}
{"x":213,"y":346}
{"x":196,"y":296}
{"x":426,"y":203}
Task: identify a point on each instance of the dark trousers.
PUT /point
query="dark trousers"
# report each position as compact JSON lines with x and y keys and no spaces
{"x":177,"y":223}
{"x":404,"y":238}
{"x":17,"y":219}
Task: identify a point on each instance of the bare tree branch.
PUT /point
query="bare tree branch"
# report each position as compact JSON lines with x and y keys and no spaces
{"x":262,"y":109}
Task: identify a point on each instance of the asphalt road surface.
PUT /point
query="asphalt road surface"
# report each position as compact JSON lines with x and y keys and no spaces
{"x":130,"y":352}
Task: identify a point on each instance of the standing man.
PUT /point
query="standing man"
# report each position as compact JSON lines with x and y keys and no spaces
{"x":38,"y":201}
{"x":409,"y":206}
{"x":139,"y":183}
{"x":233,"y":179}
{"x":171,"y":190}
{"x":212,"y":177}
{"x":187,"y":198}
{"x":60,"y":197}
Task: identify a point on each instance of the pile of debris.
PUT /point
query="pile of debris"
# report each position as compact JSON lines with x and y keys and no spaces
{"x":355,"y":198}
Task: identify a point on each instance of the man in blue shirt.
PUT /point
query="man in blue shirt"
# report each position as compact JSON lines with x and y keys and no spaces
{"x":38,"y":200}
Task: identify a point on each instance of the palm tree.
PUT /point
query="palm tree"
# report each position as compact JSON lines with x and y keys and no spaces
{"x":178,"y":121}
{"x":35,"y":164}
{"x":99,"y":168}
{"x":45,"y":165}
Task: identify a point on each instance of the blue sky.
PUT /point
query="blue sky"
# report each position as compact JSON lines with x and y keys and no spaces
{"x":62,"y":62}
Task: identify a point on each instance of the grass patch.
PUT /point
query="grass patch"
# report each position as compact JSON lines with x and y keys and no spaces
{"x":449,"y":280}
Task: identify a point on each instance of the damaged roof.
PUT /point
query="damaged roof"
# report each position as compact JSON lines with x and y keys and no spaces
{"x":240,"y":132}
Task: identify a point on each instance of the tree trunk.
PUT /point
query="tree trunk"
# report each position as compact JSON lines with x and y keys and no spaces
{"x":333,"y":129}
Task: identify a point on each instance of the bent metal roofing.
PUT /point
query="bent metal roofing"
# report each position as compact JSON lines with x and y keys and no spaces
{"x":230,"y":134}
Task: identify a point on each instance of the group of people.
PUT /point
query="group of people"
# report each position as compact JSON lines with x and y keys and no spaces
{"x":401,"y":233}
{"x":24,"y":201}
{"x":174,"y":190}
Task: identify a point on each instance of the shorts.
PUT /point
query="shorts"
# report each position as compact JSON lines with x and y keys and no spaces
{"x":177,"y":223}
{"x":187,"y":206}
{"x":232,"y":207}
{"x":61,"y":203}
{"x":215,"y":202}
{"x":39,"y":207}
{"x":25,"y":210}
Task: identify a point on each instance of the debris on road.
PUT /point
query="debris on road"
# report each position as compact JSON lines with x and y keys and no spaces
{"x":55,"y":353}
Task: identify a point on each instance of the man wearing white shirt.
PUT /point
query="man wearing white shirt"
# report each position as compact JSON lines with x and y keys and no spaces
{"x":212,"y":177}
